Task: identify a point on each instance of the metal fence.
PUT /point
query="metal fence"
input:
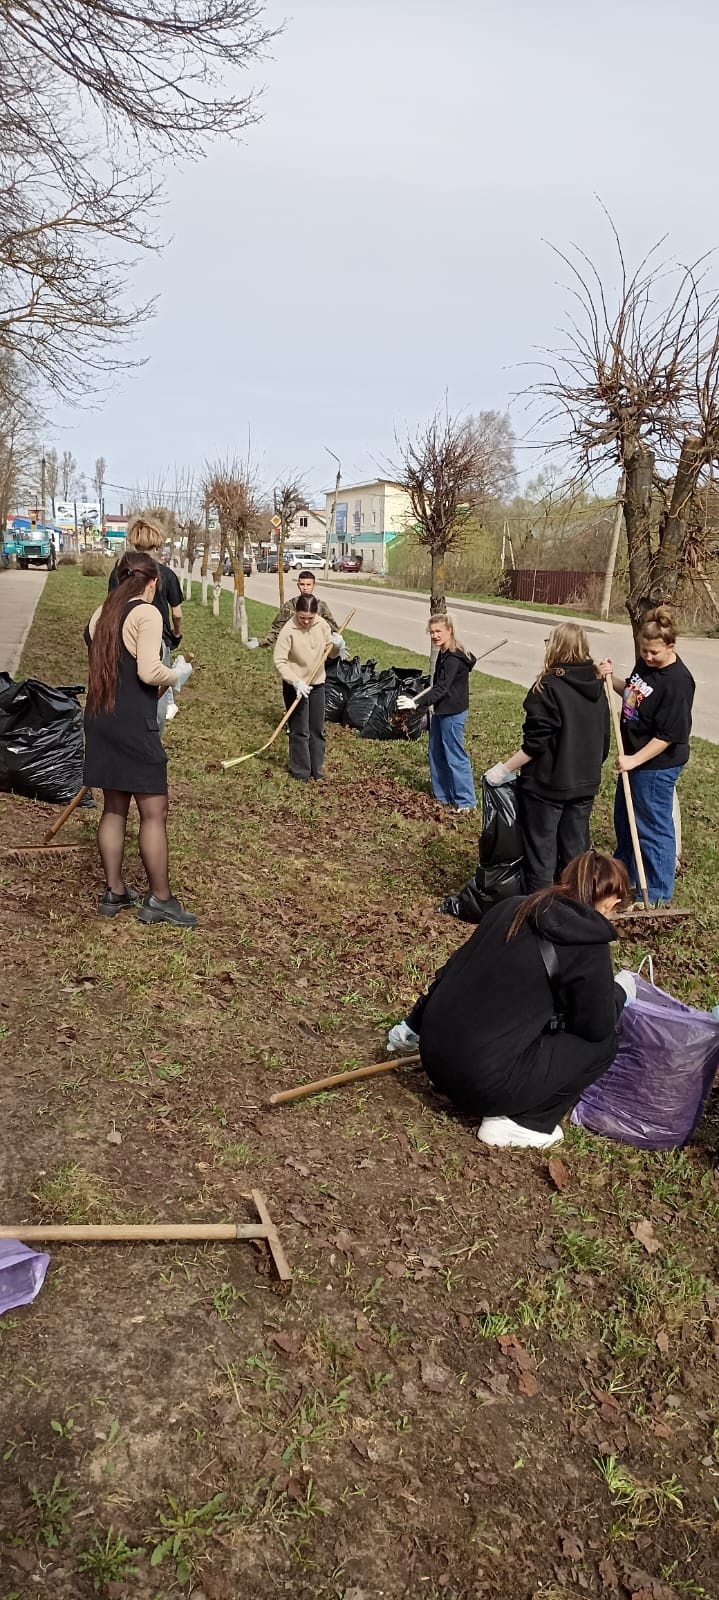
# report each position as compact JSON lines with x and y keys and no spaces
{"x":549,"y":588}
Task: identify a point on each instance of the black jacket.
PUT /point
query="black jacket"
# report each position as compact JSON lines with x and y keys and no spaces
{"x":449,"y":693}
{"x":566,"y":733}
{"x":168,"y":596}
{"x":487,"y":1013}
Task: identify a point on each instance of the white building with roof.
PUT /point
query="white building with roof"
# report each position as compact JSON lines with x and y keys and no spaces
{"x":367,"y":517}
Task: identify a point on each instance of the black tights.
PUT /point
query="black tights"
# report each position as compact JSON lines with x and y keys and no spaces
{"x":153,"y":839}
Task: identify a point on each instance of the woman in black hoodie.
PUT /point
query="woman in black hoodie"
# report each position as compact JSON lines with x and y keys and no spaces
{"x":565,"y":741}
{"x":523,"y":1017}
{"x":450,"y":768}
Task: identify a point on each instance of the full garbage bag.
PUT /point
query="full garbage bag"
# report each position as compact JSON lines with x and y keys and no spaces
{"x":383,"y":720}
{"x":41,"y":746}
{"x":498,"y":874}
{"x":656,"y":1088}
{"x":342,"y":679}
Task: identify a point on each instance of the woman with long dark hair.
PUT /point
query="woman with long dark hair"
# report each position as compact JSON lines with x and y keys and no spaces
{"x":302,"y":647}
{"x":124,"y":755}
{"x":523,"y":1017}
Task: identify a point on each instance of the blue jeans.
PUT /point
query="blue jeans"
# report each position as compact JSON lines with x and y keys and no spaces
{"x":653,"y":796}
{"x":450,"y":768}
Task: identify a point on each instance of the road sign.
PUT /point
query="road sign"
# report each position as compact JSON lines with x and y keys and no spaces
{"x":276,"y":521}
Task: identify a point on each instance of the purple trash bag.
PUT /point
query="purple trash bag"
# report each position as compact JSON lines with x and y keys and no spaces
{"x":657,"y":1086}
{"x":22,"y":1274}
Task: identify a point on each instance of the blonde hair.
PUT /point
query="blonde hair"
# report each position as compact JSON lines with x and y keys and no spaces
{"x":566,"y":643}
{"x":660,"y":624}
{"x":144,"y":534}
{"x":443,"y":616}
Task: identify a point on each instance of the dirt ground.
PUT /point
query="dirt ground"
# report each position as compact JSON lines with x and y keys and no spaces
{"x":496,"y":1374}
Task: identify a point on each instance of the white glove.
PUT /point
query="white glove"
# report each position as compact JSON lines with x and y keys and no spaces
{"x":628,"y":983}
{"x":253,"y":644}
{"x":300,"y":687}
{"x":406,"y":703}
{"x":337,"y":641}
{"x":183,"y":669}
{"x":401,"y":1038}
{"x":499,"y":774}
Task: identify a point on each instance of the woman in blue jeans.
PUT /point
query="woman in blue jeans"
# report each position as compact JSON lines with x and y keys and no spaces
{"x":450,"y":768}
{"x":656,"y":723}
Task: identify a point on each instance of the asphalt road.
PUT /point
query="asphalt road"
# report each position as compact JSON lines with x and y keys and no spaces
{"x":402,"y":619}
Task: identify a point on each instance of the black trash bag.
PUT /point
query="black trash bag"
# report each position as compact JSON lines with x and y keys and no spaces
{"x":343,"y":678}
{"x":384,"y":720}
{"x":498,"y":875}
{"x":41,"y":748}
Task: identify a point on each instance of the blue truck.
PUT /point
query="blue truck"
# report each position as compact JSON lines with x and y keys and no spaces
{"x":33,"y":547}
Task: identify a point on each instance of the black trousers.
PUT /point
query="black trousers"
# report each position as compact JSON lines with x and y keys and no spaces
{"x":307,"y":732}
{"x":553,"y":833}
{"x":538,"y":1088}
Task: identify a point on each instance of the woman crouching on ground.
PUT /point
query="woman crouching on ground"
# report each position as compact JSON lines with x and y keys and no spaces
{"x":299,"y":656}
{"x":523,"y":1017}
{"x":124,"y":755}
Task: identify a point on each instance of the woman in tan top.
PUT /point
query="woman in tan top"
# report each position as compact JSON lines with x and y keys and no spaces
{"x":300,"y":651}
{"x":124,"y":755}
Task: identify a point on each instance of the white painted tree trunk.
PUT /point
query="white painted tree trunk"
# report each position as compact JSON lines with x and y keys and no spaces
{"x":188,"y":586}
{"x":239,"y":616}
{"x":216,"y":592}
{"x":205,"y":586}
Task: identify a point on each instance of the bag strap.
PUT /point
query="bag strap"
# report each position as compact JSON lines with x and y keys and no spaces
{"x":650,"y":964}
{"x":550,"y":960}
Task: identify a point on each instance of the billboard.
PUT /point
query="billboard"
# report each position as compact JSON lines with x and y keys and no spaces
{"x":341,"y":519}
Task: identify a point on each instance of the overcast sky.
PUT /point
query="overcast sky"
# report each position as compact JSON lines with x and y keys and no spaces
{"x":378,"y":238}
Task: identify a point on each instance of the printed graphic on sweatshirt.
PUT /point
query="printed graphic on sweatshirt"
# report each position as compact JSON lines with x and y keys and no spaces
{"x":636,"y":692}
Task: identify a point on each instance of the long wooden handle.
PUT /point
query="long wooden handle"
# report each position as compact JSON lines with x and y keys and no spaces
{"x":95,"y":1232}
{"x":62,"y":819}
{"x":235,"y":761}
{"x":639,"y":862}
{"x":339,"y":1079}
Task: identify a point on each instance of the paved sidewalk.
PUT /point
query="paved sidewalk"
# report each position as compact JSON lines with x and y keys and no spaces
{"x":19,"y":595}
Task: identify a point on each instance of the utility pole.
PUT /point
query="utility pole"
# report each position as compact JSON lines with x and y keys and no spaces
{"x":328,"y":536}
{"x":42,"y":487}
{"x":613,"y":548}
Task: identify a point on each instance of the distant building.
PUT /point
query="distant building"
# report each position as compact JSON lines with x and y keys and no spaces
{"x":368,"y":516}
{"x":308,"y":531}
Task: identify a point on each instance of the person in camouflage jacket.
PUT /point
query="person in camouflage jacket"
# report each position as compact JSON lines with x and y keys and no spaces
{"x":305,"y":585}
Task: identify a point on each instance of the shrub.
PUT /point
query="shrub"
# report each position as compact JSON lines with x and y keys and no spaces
{"x":67,"y":560}
{"x":96,"y":566}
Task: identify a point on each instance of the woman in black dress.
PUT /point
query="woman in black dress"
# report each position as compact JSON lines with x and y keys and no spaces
{"x":124,"y":755}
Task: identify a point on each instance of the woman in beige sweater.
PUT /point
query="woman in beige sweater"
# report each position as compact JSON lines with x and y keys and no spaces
{"x":301,"y":648}
{"x":124,"y":755}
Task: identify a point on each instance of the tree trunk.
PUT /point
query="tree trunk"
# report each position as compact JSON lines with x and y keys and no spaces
{"x":205,"y":586}
{"x":216,"y":592}
{"x":667,"y":564}
{"x":239,"y":614}
{"x":438,"y":599}
{"x":188,"y":585}
{"x":639,"y":469}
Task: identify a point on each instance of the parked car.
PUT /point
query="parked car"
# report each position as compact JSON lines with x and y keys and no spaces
{"x":228,"y":569}
{"x":304,"y":559}
{"x":350,"y":564}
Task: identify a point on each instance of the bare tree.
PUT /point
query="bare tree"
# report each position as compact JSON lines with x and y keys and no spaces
{"x":446,"y":470}
{"x":17,"y":440}
{"x":52,"y":476}
{"x":73,"y":205}
{"x":231,"y":487}
{"x":289,"y":499}
{"x":100,"y":476}
{"x":637,"y":387}
{"x":68,"y":468}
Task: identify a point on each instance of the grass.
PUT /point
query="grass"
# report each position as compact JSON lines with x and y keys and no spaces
{"x":164,"y":1404}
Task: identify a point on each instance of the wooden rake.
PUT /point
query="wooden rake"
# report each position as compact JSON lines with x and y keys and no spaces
{"x":46,"y":846}
{"x":263,"y":1230}
{"x":236,"y":761}
{"x":339,"y":1079}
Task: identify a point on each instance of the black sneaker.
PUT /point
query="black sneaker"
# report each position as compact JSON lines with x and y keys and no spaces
{"x":111,"y":903}
{"x":154,"y":910}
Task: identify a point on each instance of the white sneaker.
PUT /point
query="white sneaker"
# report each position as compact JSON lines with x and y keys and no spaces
{"x":171,"y":712}
{"x":501,"y":1131}
{"x":401,"y":1038}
